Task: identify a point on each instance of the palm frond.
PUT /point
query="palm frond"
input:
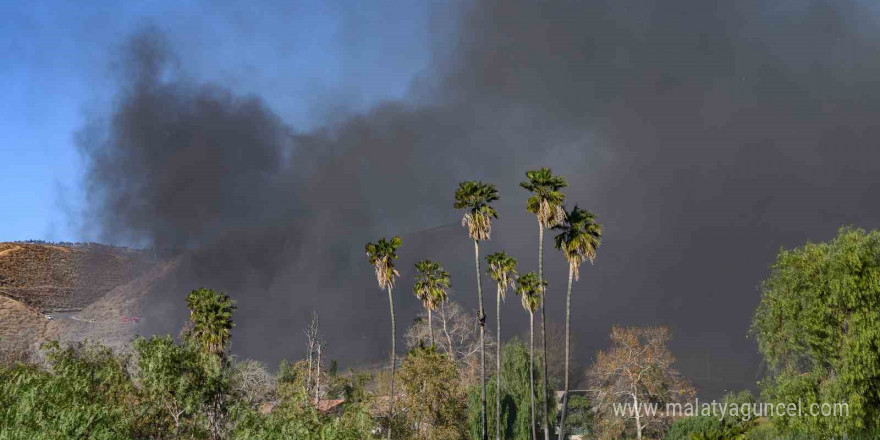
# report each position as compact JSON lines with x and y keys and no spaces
{"x":432,"y":284}
{"x":502,"y":269}
{"x":531,"y":290}
{"x":211,"y":319}
{"x":579,"y":238}
{"x":381,"y":255}
{"x":546,"y":203}
{"x":475,"y":198}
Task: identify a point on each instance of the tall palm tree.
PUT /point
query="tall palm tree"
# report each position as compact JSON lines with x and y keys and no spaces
{"x":210,"y":329}
{"x":382,"y":255}
{"x":578,"y":239}
{"x":210,"y":314}
{"x":476,"y":198}
{"x":502,"y":269}
{"x":531,"y":289}
{"x":546,"y":204}
{"x":431,"y":287}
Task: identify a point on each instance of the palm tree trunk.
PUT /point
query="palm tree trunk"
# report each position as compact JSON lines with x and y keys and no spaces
{"x":543,"y":330}
{"x":431,"y":326}
{"x":498,"y":365}
{"x":481,"y":318}
{"x":393,"y":362}
{"x":567,"y":356}
{"x":532,"y":370}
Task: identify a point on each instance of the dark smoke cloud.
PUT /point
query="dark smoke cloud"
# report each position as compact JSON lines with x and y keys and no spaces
{"x":704,"y":134}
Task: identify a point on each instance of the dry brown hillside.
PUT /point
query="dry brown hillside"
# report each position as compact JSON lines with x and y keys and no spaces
{"x":102,"y":283}
{"x":108,"y":319}
{"x":69,"y":277}
{"x":20,"y":327}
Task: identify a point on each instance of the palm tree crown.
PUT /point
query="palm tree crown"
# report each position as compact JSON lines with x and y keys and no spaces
{"x":211,"y":318}
{"x":547,"y":200}
{"x":475,"y":198}
{"x":531,"y":289}
{"x":382,"y":255}
{"x":579,"y":238}
{"x":502,"y":269}
{"x":431,"y":284}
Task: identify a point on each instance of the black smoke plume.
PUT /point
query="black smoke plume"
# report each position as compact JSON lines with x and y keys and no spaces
{"x":704,"y":134}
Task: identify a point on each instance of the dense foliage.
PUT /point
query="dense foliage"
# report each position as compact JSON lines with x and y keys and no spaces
{"x":167,"y":389}
{"x":84,"y":392}
{"x":817,"y":326}
{"x":580,"y":415}
{"x":434,"y":398}
{"x":515,"y":402}
{"x":715,"y":427}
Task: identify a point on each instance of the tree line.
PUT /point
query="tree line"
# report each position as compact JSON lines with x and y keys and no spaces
{"x":816,"y":327}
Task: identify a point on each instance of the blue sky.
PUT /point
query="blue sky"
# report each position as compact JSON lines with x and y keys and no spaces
{"x":299,"y":56}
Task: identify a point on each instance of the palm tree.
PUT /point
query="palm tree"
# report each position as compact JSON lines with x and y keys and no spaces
{"x":578,"y":239}
{"x":382,"y":255}
{"x":210,"y":329}
{"x":210,"y":315}
{"x":546,"y":204}
{"x":502,"y":269}
{"x":431,"y":287}
{"x":476,"y":198}
{"x":531,"y":288}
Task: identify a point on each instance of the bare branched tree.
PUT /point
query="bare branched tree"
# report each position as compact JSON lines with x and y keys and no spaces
{"x":316,"y":347}
{"x":253,"y":383}
{"x":458,"y":336}
{"x":637,"y":371}
{"x":312,"y":341}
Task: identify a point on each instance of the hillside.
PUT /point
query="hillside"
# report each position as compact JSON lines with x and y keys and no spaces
{"x":109,"y":319}
{"x":63,"y":281}
{"x":55,"y":278}
{"x":20,"y":327}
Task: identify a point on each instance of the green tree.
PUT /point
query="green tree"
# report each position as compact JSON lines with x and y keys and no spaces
{"x":85,"y":391}
{"x":734,"y":425}
{"x":531,"y":290}
{"x":435,"y":400}
{"x":502,"y":269}
{"x":517,"y":392}
{"x":382,"y":255}
{"x":210,"y":315}
{"x":432,"y":283}
{"x":293,"y":416}
{"x":578,"y":239}
{"x":817,"y":328}
{"x":210,"y":330}
{"x":476,"y":198}
{"x":580,"y":415}
{"x":546,"y":203}
{"x":172,"y":382}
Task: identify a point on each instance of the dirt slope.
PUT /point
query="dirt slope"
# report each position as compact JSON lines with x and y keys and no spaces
{"x":21,"y":327}
{"x":109,"y":318}
{"x":89,"y":290}
{"x":61,"y":277}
